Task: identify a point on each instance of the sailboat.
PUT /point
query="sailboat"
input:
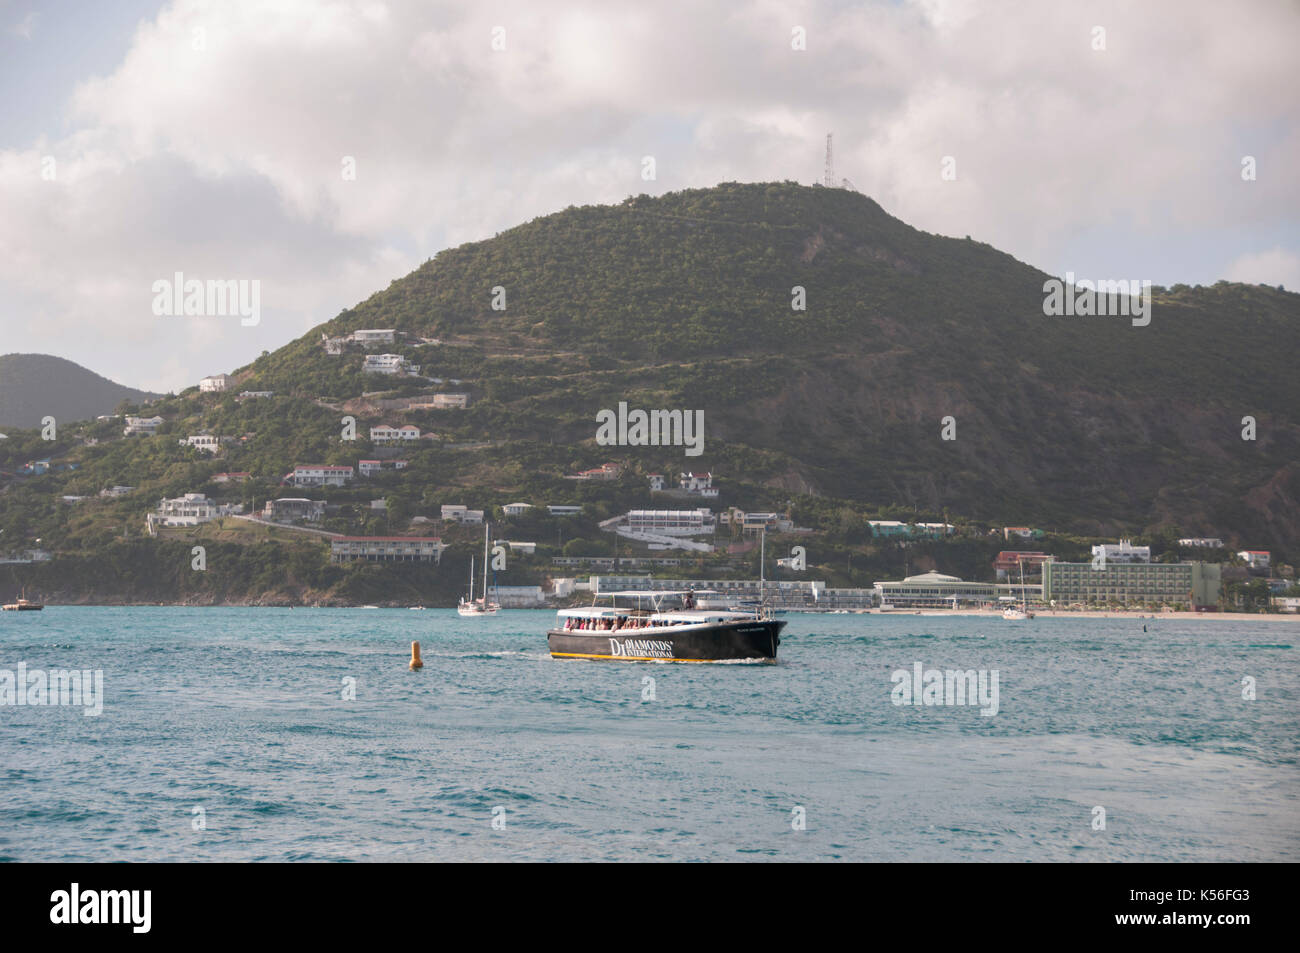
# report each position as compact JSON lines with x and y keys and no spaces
{"x":466,"y":605}
{"x":1021,"y":612}
{"x":477,"y":607}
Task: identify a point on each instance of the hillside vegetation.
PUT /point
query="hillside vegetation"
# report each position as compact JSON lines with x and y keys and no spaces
{"x":685,"y":301}
{"x":1086,"y":426}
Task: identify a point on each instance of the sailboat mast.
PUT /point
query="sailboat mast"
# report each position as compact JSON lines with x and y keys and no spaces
{"x":487,"y":527}
{"x":471,"y":579}
{"x":762,"y":567}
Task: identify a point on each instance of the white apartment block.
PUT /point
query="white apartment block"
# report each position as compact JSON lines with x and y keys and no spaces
{"x":671,"y":522}
{"x":516,"y":509}
{"x":318,"y":474}
{"x":391,"y":364}
{"x":1122,"y":552}
{"x":397,"y":549}
{"x":1202,"y":542}
{"x":373,"y":336}
{"x":215,"y":384}
{"x":387,"y":434}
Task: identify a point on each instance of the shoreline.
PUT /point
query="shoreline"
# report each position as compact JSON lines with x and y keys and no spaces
{"x":1103,"y":614}
{"x":991,"y":614}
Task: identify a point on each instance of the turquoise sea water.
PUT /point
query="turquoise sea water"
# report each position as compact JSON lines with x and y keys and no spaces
{"x":241,"y":712}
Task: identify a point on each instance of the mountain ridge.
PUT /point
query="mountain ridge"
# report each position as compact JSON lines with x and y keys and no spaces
{"x":902,"y":329}
{"x":33,"y":386}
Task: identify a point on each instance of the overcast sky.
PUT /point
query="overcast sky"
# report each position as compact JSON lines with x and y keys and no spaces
{"x":209,"y":138}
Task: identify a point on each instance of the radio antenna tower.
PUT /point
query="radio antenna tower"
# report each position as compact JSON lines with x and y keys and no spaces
{"x":829,"y":180}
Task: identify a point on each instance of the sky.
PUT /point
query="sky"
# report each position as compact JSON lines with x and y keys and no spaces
{"x":141,"y":139}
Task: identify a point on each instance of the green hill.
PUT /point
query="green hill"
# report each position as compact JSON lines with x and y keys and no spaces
{"x":685,"y":301}
{"x":34,"y":386}
{"x":1085,"y":426}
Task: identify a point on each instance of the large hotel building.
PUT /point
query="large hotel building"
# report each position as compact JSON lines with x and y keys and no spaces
{"x":1191,"y":585}
{"x":393,"y":549}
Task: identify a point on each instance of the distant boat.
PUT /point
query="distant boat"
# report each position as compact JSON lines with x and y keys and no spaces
{"x":23,"y":605}
{"x":469,"y":606}
{"x":1021,"y":612}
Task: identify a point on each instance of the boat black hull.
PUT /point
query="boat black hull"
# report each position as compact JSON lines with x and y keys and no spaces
{"x":725,"y":642}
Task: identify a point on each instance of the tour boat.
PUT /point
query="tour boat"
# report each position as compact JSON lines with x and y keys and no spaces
{"x":663,"y":626}
{"x":469,"y":606}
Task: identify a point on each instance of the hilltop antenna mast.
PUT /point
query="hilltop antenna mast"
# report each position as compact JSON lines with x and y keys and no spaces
{"x":829,"y":180}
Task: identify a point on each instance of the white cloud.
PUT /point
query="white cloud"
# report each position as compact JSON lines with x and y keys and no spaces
{"x":1277,"y":266}
{"x":225,"y":160}
{"x":25,"y":27}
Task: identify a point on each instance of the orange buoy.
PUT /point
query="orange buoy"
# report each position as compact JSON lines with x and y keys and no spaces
{"x":415,"y":657}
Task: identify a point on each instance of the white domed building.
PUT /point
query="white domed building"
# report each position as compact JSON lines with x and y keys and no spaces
{"x":934,"y":590}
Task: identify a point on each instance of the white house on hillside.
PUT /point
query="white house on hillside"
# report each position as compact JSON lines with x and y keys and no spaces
{"x":215,"y":383}
{"x":145,"y":426}
{"x":318,"y":474}
{"x":188,"y":510}
{"x":1255,"y":558}
{"x":698,"y":483}
{"x":459,"y":513}
{"x":204,"y":442}
{"x":386,"y":434}
{"x":388,"y":364}
{"x":368,"y":468}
